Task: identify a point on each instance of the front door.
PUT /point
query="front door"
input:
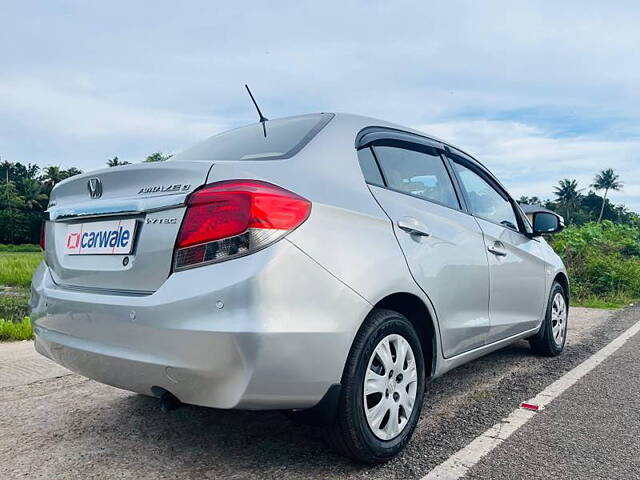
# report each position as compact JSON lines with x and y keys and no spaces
{"x":517,"y":271}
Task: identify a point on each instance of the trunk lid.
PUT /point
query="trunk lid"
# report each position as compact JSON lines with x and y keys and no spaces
{"x":90,"y":213}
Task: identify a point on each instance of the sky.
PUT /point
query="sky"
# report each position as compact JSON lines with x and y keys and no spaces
{"x":538,"y":91}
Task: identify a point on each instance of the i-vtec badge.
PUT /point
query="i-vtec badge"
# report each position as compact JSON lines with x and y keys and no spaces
{"x":158,"y":221}
{"x":175,"y":188}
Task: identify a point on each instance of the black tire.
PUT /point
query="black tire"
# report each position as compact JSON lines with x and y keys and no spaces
{"x":350,"y":433}
{"x":544,"y":343}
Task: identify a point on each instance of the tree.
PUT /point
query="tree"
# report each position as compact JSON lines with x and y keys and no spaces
{"x":158,"y":157}
{"x":52,"y":176}
{"x":529,"y":200}
{"x":34,"y":197}
{"x":569,"y":196}
{"x":116,"y":162}
{"x":9,"y":197}
{"x":6,"y":165}
{"x":606,"y":180}
{"x":70,"y":172}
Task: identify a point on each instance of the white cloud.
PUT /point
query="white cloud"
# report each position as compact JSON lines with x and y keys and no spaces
{"x":530,"y":162}
{"x":75,"y":111}
{"x":562,"y":77}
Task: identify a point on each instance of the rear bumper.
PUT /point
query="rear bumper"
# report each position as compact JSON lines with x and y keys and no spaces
{"x":279,"y":340}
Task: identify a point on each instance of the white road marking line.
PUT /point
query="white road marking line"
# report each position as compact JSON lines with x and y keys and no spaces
{"x":459,"y":463}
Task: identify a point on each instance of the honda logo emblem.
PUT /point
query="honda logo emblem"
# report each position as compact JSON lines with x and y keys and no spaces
{"x":95,"y":187}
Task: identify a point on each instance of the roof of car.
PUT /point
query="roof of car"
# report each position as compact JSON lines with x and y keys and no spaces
{"x":372,"y":121}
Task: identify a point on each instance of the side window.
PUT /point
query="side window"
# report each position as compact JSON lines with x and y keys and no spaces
{"x":484,"y":200}
{"x":369,"y":167}
{"x":417,"y":173}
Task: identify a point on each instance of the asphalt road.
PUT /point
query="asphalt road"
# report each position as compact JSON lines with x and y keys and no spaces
{"x":592,"y":431}
{"x":59,"y":425}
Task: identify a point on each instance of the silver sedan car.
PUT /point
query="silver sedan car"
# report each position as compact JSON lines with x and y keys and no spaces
{"x":326,"y":265}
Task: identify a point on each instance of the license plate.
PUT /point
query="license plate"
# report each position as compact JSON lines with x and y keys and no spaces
{"x":114,"y":237}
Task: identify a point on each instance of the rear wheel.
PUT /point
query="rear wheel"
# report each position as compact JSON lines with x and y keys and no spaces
{"x":382,"y":390}
{"x":551,"y":338}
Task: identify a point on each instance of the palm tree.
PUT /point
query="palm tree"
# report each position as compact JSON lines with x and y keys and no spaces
{"x":70,"y":172}
{"x":569,"y":195}
{"x":116,"y":162}
{"x":52,"y":176}
{"x":606,"y":180}
{"x":529,"y":200}
{"x":33,"y":195}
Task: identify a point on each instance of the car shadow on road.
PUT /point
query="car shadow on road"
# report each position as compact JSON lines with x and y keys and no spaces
{"x":249,"y":444}
{"x":224,"y":441}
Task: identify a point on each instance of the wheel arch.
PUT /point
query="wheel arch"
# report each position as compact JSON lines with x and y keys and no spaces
{"x":417,"y":312}
{"x":563,"y":280}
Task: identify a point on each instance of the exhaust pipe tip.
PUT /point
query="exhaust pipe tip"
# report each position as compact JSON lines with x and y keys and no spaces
{"x":168,"y":401}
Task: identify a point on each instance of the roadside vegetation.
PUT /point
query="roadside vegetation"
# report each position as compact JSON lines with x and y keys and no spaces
{"x":22,"y":248}
{"x":16,"y":269}
{"x":14,"y":310}
{"x":17,"y":263}
{"x":603,"y":261}
{"x":24,"y":196}
{"x":13,"y":331}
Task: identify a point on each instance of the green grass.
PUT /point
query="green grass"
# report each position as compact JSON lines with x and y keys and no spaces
{"x":596,"y":302}
{"x":11,"y":331}
{"x":16,"y":269}
{"x":14,"y":307}
{"x":25,"y":247}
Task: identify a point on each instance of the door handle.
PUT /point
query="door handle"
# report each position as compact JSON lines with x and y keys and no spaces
{"x":412,"y":227}
{"x":497,"y":249}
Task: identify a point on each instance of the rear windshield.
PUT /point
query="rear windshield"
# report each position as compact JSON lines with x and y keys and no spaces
{"x":278,"y":139}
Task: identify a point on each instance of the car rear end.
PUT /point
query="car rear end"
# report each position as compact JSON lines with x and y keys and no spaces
{"x":179,"y":277}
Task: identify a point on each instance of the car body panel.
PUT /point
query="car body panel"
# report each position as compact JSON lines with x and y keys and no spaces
{"x":450,"y":260}
{"x":514,"y":306}
{"x":151,"y":194}
{"x":263,"y":346}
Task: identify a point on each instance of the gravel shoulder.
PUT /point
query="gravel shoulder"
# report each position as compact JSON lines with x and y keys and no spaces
{"x":60,"y":425}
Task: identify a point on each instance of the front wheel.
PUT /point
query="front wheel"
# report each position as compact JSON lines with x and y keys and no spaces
{"x":550,"y":340}
{"x":382,"y":390}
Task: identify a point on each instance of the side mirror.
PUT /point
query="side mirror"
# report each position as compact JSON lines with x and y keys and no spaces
{"x":546,"y":223}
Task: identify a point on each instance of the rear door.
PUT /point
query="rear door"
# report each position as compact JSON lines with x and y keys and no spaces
{"x":115,"y":229}
{"x":516,"y":266}
{"x":443,"y":245}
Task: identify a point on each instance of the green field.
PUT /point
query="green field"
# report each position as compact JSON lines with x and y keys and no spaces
{"x":16,"y":269}
{"x":26,"y":247}
{"x":12,"y":331}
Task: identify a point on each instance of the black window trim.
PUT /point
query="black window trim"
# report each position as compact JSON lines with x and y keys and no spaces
{"x":375,"y":159}
{"x":483,"y":173}
{"x":414,"y":146}
{"x":369,"y":135}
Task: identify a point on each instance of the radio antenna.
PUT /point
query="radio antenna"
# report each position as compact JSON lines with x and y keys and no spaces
{"x":263,"y":119}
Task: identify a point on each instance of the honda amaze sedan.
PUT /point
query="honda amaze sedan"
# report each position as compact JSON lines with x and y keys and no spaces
{"x":326,"y":265}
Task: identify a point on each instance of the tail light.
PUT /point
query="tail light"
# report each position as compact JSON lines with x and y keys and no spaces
{"x":43,"y":231}
{"x":233,"y":218}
